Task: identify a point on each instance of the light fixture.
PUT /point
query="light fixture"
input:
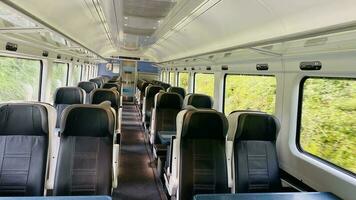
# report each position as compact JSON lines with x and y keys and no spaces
{"x":126,"y":17}
{"x":154,"y":27}
{"x":125,"y":24}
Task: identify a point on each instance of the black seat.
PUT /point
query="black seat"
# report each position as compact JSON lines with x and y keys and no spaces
{"x":98,"y":96}
{"x":24,"y":138}
{"x":255,"y":158}
{"x":112,"y":85}
{"x":167,"y":106}
{"x":178,"y":90}
{"x":99,"y":82}
{"x":198,"y":101}
{"x":200,"y":152}
{"x":150,"y":93}
{"x":87,"y":86}
{"x":85,"y":156}
{"x":66,"y":96}
{"x":142,"y":88}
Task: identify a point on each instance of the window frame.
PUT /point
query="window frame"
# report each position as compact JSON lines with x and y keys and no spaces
{"x":224,"y":86}
{"x":299,"y":123}
{"x":195,"y":73}
{"x":40,"y":79}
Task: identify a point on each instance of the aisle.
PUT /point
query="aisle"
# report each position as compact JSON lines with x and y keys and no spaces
{"x":136,"y":176}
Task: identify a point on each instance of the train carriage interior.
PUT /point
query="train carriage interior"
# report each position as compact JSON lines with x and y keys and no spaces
{"x":178,"y":99}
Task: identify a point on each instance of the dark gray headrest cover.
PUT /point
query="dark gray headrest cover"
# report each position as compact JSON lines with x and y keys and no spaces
{"x":69,"y":95}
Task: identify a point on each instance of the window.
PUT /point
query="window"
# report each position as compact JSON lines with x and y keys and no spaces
{"x":163,"y":76}
{"x":19,"y":79}
{"x":84,"y":73}
{"x":327,"y":123}
{"x":75,"y":75}
{"x":58,"y":78}
{"x":172,"y":78}
{"x":183,"y":79}
{"x":244,"y":92}
{"x":204,"y":84}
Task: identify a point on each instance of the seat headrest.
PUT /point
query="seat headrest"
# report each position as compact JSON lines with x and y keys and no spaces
{"x":152,"y":90}
{"x":100,"y":95}
{"x":178,"y":90}
{"x":69,"y":95}
{"x":97,"y":81}
{"x":23,"y":119}
{"x":204,"y":124}
{"x":198,"y":101}
{"x":165,"y":85}
{"x":87,"y":120}
{"x":112,"y":85}
{"x":87,"y":86}
{"x":257,"y":126}
{"x":168,"y":100}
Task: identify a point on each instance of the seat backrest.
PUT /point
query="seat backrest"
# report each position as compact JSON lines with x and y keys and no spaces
{"x":150,"y":93}
{"x":112,"y":85}
{"x":84,"y":164}
{"x":178,"y":90}
{"x":87,"y":86}
{"x":99,"y":82}
{"x":165,"y":86}
{"x":65,"y":96}
{"x":98,"y":96}
{"x":198,"y":101}
{"x":24,"y":138}
{"x":202,"y":160}
{"x":255,"y":159}
{"x":167,"y":106}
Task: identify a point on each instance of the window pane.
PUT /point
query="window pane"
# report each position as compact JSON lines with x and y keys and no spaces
{"x":171,"y":78}
{"x":19,"y":79}
{"x":250,"y":93}
{"x":328,"y":120}
{"x":204,"y":84}
{"x":183,"y":80}
{"x":58,"y":78}
{"x":75,"y":75}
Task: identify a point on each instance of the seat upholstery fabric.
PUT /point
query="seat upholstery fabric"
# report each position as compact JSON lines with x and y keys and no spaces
{"x":202,"y":154}
{"x":178,"y":90}
{"x":255,"y":157}
{"x":150,"y":93}
{"x":98,"y":81}
{"x":65,"y":96}
{"x":198,"y":101}
{"x":112,"y":85}
{"x":100,"y":95}
{"x":85,"y":155}
{"x":23,"y":149}
{"x":167,"y":107}
{"x":87,"y":86}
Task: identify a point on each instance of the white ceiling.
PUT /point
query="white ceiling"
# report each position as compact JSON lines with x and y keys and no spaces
{"x":169,"y":29}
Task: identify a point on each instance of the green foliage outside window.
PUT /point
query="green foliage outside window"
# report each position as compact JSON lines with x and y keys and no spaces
{"x":183,"y":79}
{"x":172,"y":78}
{"x":19,"y":79}
{"x":75,"y":75}
{"x":58,"y":78}
{"x":204,"y":84}
{"x":328,"y":120}
{"x":250,"y":93}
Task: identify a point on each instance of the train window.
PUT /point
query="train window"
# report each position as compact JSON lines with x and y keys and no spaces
{"x":58,"y":78}
{"x":327,"y":120}
{"x":204,"y":84}
{"x":172,"y":78}
{"x":75,"y":75}
{"x":19,"y":79}
{"x":183,"y":78}
{"x":250,"y":92}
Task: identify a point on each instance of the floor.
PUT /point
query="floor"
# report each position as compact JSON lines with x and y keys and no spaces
{"x":137,"y":177}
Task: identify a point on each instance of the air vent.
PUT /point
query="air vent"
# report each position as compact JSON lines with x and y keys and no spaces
{"x":45,"y":53}
{"x":176,"y":69}
{"x":185,"y":69}
{"x":78,"y":60}
{"x":315,"y":42}
{"x":224,"y":67}
{"x":71,"y":59}
{"x":262,"y":67}
{"x":208,"y":68}
{"x":227,"y":54}
{"x":187,"y":60}
{"x":211,"y":57}
{"x":309,"y":66}
{"x":193,"y":68}
{"x":59,"y":56}
{"x":11,"y":46}
{"x":194,"y":59}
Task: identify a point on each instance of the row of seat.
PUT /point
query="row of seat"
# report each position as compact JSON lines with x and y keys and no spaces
{"x":70,"y":147}
{"x":207,"y":152}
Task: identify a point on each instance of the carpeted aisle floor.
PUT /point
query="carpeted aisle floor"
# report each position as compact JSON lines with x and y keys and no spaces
{"x":137,"y":179}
